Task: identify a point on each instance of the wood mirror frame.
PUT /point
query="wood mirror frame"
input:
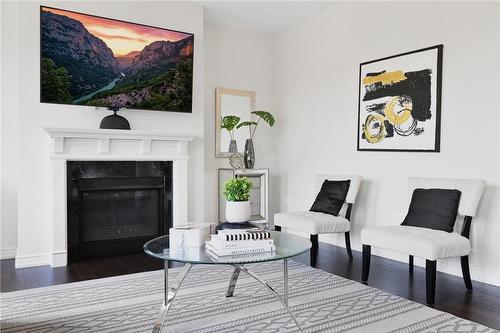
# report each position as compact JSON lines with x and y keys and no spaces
{"x":219,"y":92}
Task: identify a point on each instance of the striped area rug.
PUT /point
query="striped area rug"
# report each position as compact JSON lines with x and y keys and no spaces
{"x":322,"y":302}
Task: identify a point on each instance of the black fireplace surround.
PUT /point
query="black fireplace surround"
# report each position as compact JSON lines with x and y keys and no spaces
{"x":114,"y":207}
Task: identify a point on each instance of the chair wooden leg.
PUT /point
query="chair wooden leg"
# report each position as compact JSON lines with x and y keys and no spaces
{"x":314,"y":249}
{"x":367,"y":249}
{"x":348,"y":244}
{"x":277,"y":228}
{"x":430,"y":280}
{"x":466,"y":272}
{"x":410,"y":264}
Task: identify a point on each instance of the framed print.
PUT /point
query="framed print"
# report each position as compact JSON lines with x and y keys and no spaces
{"x":97,"y":61}
{"x":400,"y":102}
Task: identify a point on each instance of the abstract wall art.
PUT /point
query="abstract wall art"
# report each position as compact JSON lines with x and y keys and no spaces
{"x":96,"y":61}
{"x":400,"y":102}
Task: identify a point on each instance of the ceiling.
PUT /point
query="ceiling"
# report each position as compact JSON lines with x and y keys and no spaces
{"x":263,"y":16}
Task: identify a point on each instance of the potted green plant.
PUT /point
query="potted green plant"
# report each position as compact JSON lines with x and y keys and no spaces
{"x":229,"y":123}
{"x":237,"y":193}
{"x":249,"y":153}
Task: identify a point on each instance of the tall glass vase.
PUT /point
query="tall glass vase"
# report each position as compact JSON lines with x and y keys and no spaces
{"x":233,"y":146}
{"x":249,"y":154}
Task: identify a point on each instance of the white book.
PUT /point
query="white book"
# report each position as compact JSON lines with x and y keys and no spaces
{"x":241,"y":257}
{"x":247,"y":250}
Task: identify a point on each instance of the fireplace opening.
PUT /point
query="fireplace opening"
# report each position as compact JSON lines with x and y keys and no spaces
{"x":114,"y":207}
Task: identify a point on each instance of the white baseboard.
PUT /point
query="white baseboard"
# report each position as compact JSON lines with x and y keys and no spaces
{"x":485,"y":276}
{"x":33,"y":260}
{"x":56,"y":259}
{"x":59,"y":259}
{"x":449,"y":266}
{"x":8,"y":253}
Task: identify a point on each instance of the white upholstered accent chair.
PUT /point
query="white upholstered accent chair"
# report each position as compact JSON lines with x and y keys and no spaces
{"x":429,"y":243}
{"x":315,"y":223}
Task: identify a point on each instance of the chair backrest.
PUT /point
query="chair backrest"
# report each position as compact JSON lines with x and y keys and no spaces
{"x":471,"y":189}
{"x":353,"y":186}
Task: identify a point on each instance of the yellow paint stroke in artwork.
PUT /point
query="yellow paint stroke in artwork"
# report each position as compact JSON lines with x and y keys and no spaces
{"x":402,"y":116}
{"x":379,"y":136}
{"x":385,"y":78}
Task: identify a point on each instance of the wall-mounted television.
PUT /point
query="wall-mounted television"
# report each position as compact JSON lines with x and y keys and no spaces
{"x":95,"y":61}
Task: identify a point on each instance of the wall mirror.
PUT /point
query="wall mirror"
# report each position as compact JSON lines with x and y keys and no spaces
{"x":232,"y":102}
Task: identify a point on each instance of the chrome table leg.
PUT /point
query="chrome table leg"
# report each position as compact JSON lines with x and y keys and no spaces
{"x":285,"y":281}
{"x":169,"y":295}
{"x":265,"y":284}
{"x":232,"y":283}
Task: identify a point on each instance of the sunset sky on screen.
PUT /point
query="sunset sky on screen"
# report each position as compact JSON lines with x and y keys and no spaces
{"x":121,"y":37}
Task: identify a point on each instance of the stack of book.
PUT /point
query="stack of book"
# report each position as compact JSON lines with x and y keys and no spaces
{"x":239,"y":242}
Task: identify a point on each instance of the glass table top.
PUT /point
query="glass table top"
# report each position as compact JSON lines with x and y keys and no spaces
{"x":287,"y":246}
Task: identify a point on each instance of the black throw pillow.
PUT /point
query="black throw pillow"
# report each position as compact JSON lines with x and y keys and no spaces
{"x":433,"y":208}
{"x":331,"y":197}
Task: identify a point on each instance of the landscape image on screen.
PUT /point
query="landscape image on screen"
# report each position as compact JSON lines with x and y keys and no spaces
{"x":95,"y":61}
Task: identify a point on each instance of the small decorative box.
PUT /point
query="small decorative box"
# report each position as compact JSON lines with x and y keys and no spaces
{"x":189,"y":235}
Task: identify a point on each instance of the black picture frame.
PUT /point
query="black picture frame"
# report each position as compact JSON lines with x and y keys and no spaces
{"x":437,"y":113}
{"x":192,"y":35}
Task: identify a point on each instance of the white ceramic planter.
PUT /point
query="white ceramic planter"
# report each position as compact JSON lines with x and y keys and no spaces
{"x":237,"y":211}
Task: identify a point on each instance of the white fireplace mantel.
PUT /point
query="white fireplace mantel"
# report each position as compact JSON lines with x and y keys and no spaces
{"x":71,"y":144}
{"x":117,"y":143}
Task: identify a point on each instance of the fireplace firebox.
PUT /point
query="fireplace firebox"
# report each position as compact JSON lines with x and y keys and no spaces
{"x":114,"y":207}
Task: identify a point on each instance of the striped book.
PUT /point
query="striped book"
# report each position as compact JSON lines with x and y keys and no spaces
{"x":234,"y":235}
{"x":223,"y":244}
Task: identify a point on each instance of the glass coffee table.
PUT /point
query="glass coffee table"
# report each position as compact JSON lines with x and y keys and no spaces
{"x":287,"y":246}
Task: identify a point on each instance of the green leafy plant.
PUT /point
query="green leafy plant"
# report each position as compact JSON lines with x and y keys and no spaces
{"x":252,"y":125}
{"x":237,"y":189}
{"x":229,"y":123}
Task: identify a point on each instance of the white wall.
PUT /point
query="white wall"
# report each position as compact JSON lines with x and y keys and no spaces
{"x":33,"y":167}
{"x":236,"y":59}
{"x":9,"y":134}
{"x":316,"y":95}
{"x":307,"y":75}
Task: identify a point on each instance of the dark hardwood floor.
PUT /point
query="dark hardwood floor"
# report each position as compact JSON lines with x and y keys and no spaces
{"x":482,"y":305}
